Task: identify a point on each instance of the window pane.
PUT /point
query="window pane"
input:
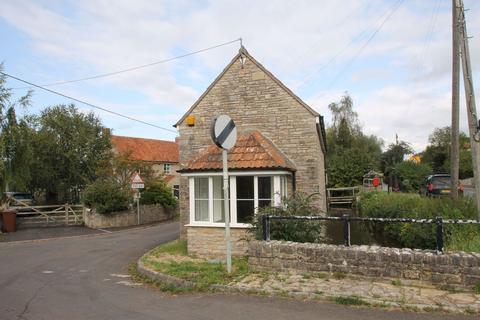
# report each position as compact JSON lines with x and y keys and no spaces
{"x":245,"y":210}
{"x":201,"y":199}
{"x":201,"y":188}
{"x":245,"y":199}
{"x":217,"y":187}
{"x":245,"y":187}
{"x":218,"y":211}
{"x":201,"y":210}
{"x":218,"y":206}
{"x":265,"y":188}
{"x":264,"y":203}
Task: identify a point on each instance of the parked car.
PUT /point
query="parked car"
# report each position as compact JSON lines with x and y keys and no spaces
{"x":24,"y":197}
{"x":437,"y":185}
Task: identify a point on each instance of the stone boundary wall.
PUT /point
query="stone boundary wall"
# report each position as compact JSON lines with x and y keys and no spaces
{"x":209,"y":242}
{"x":148,"y":214}
{"x":459,"y":268}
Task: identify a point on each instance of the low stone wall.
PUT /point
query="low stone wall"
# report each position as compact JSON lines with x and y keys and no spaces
{"x":148,"y":214}
{"x":209,"y":242}
{"x":462,"y":269}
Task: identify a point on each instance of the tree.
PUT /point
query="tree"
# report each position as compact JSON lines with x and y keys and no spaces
{"x":14,"y":146}
{"x":69,"y":146}
{"x":411,"y":175}
{"x":437,"y":153}
{"x":351,"y":153}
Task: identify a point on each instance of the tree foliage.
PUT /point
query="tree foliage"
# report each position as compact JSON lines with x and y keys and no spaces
{"x":351,"y":153}
{"x":157,"y":191}
{"x":69,"y":146}
{"x":15,"y":151}
{"x":437,"y":153}
{"x":106,"y":195}
{"x":298,"y":204}
{"x":411,"y":175}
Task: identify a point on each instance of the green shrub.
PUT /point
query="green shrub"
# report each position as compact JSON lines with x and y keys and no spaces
{"x":158,"y":192}
{"x":411,"y":175}
{"x":403,"y":205}
{"x":106,"y":195}
{"x":298,"y":204}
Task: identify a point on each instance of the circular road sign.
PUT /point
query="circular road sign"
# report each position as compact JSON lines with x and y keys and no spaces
{"x":224,"y":132}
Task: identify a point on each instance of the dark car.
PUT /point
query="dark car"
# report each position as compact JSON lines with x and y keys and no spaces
{"x":437,"y":185}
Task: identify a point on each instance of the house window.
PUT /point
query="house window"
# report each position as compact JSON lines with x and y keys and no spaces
{"x":247,"y":194}
{"x":245,"y":199}
{"x":201,"y":199}
{"x":167,"y":168}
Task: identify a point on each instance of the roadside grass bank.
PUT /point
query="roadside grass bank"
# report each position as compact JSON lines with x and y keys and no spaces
{"x":170,"y":269}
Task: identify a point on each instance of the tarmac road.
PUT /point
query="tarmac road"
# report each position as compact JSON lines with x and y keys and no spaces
{"x":85,"y":278}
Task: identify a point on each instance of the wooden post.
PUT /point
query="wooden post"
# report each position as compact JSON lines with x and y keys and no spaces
{"x":66,"y":214}
{"x":454,"y":152}
{"x":471,"y":107}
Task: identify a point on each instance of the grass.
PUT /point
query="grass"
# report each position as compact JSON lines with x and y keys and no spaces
{"x":449,"y":288}
{"x":396,"y":282}
{"x":350,"y":301}
{"x":174,"y":247}
{"x":476,"y":288}
{"x":201,"y":272}
{"x":339,"y":275}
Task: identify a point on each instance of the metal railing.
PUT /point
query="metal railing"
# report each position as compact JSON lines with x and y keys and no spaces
{"x":347,"y":219}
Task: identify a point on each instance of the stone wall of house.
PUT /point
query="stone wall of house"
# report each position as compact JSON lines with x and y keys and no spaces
{"x":209,"y":242}
{"x":460,"y":268}
{"x":255,"y":101}
{"x":148,"y":214}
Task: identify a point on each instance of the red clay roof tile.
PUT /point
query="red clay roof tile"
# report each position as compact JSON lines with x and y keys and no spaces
{"x":146,"y":149}
{"x":252,"y":151}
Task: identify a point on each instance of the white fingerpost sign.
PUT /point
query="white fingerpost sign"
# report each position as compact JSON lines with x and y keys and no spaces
{"x":224,"y":134}
{"x":137,"y":183}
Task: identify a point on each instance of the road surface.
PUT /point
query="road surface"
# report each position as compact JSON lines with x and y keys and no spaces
{"x":85,"y":278}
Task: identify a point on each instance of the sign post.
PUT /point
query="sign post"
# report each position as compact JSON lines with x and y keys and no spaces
{"x":224,"y":134}
{"x":137,"y":184}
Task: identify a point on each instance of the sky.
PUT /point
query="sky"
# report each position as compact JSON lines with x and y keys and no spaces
{"x":392,"y":57}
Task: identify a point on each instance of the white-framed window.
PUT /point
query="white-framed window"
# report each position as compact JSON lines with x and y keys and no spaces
{"x":248,"y":192}
{"x":167,"y":168}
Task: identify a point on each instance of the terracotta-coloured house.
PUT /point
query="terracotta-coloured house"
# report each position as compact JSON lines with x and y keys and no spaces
{"x":163,"y":155}
{"x":280,"y":149}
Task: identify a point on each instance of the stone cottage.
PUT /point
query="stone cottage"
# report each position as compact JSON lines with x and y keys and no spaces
{"x":280,"y":149}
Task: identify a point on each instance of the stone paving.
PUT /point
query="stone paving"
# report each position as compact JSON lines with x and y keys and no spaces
{"x":417,"y":296}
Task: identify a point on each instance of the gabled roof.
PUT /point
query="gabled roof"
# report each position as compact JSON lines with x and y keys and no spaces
{"x":146,"y":149}
{"x":252,"y":151}
{"x":245,"y":53}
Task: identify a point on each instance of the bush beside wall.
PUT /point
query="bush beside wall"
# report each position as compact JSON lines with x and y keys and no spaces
{"x":404,"y":205}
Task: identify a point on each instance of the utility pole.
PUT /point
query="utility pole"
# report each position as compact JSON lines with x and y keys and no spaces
{"x":471,"y":107}
{"x":454,"y":151}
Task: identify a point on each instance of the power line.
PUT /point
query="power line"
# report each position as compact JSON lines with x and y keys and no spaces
{"x":109,"y":74}
{"x":86,"y":103}
{"x":360,"y":50}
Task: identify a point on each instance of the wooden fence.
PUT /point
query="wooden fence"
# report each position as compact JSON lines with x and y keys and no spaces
{"x":47,"y":215}
{"x":342,"y":196}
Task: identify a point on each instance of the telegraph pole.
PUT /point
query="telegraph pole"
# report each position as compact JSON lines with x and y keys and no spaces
{"x":454,"y":151}
{"x":471,"y":107}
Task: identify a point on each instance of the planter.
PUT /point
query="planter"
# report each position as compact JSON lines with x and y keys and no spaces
{"x":9,"y":220}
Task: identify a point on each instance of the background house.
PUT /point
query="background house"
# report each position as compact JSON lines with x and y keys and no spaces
{"x":163,"y":155}
{"x":281,"y":148}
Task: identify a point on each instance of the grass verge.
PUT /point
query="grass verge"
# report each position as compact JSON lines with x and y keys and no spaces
{"x":172,"y":259}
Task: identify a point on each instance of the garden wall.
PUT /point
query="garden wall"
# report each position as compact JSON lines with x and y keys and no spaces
{"x":148,"y":214}
{"x":209,"y":242}
{"x":459,"y":268}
